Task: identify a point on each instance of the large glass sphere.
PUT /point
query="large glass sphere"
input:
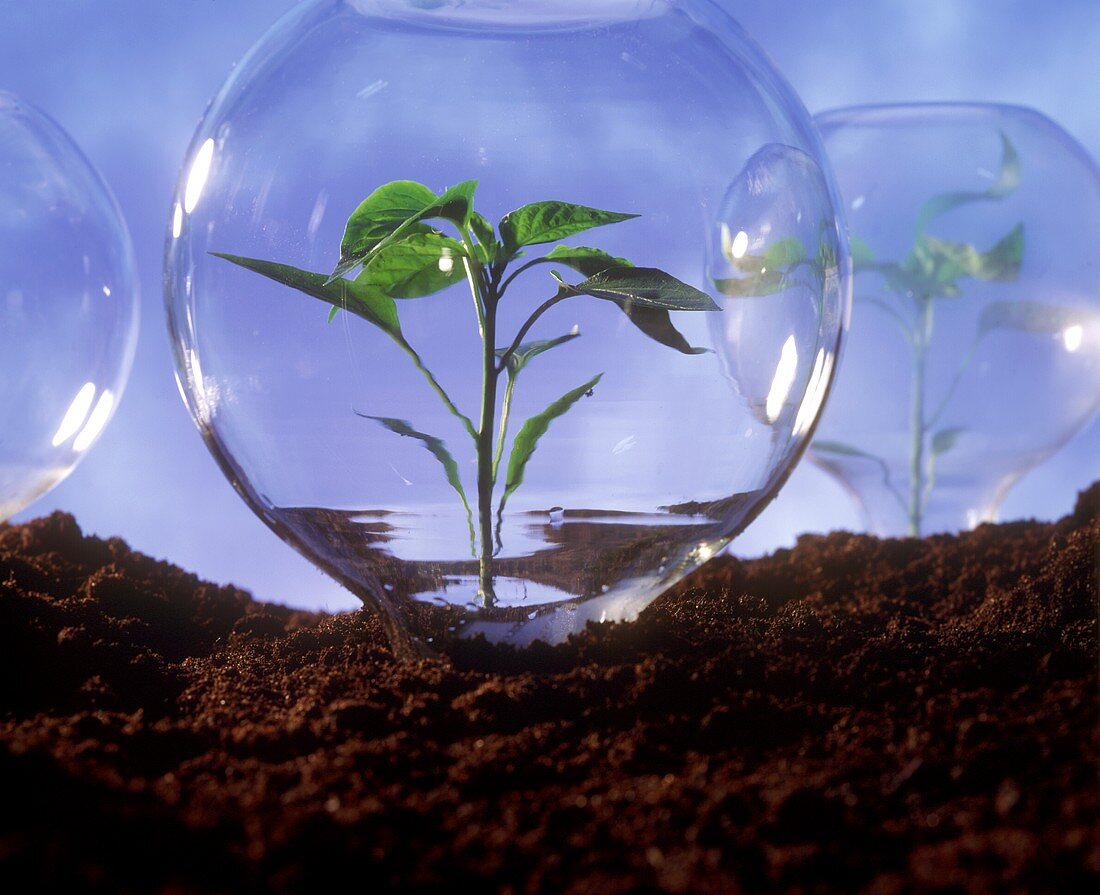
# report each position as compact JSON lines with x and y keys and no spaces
{"x":975,"y":350}
{"x":68,"y":304}
{"x":511,"y":407}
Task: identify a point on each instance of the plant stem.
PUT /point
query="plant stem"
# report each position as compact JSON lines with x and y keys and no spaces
{"x":485,"y":302}
{"x":923,"y":335}
{"x":486,"y":478}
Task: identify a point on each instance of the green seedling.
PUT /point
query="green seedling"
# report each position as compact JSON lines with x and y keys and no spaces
{"x":406,"y":242}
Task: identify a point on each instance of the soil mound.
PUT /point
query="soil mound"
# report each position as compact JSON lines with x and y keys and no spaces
{"x":852,"y":715}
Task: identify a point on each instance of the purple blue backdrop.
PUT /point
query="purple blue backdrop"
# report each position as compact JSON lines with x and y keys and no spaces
{"x":129,"y":80}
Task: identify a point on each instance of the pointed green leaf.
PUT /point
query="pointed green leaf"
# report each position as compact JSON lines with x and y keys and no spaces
{"x":396,"y":210}
{"x":360,"y":299}
{"x":528,"y":436}
{"x":519,"y":358}
{"x":435,"y":446}
{"x":1034,"y":317}
{"x":946,"y":439}
{"x":418,"y":265}
{"x":1007,"y":181}
{"x":657,"y":324}
{"x":543,"y":222}
{"x":645,"y":287}
{"x":586,"y":261}
{"x":486,"y":238}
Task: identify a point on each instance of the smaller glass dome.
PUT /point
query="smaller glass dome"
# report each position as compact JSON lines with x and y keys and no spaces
{"x":975,"y":346}
{"x":68,"y":305}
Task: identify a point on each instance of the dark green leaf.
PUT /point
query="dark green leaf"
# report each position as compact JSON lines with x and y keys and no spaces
{"x":418,"y":265}
{"x":528,"y":436}
{"x":543,"y":222}
{"x":1007,"y":181}
{"x":946,"y":439}
{"x":1033,"y":317}
{"x":519,"y":358}
{"x":645,"y":287}
{"x":657,"y":324}
{"x":586,"y":261}
{"x":360,"y":299}
{"x":396,"y":210}
{"x":433,"y":445}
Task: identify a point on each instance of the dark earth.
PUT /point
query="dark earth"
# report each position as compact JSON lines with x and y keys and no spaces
{"x":852,"y":715}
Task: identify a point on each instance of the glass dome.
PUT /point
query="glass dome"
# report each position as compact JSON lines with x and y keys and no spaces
{"x":975,"y":352}
{"x":508,"y":315}
{"x":68,"y":305}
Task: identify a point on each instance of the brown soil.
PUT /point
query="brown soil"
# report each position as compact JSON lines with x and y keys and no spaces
{"x":852,"y":715}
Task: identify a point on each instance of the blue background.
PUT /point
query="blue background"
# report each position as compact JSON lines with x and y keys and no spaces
{"x":129,"y":80}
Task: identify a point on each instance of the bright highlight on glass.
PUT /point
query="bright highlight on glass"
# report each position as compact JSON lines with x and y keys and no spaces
{"x":68,"y":305}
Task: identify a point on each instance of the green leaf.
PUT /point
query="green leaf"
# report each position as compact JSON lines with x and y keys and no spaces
{"x":938,"y":264}
{"x":586,"y":261}
{"x":435,"y":446}
{"x":396,"y":210}
{"x":528,"y":436}
{"x":519,"y":358}
{"x":1007,"y":181}
{"x":543,"y":222}
{"x":645,"y":295}
{"x":654,"y":322}
{"x":360,"y":299}
{"x":657,"y":324}
{"x":784,"y":253}
{"x":1033,"y":317}
{"x":418,"y":265}
{"x":486,"y":238}
{"x":768,"y":282}
{"x":946,"y":439}
{"x":768,"y":273}
{"x":644,"y":287}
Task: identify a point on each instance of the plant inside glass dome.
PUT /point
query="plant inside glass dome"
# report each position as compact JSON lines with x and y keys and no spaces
{"x":392,"y":240}
{"x":934,"y":271}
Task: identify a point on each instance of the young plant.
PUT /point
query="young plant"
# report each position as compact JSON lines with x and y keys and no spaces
{"x":396,"y":241}
{"x":932,"y":272}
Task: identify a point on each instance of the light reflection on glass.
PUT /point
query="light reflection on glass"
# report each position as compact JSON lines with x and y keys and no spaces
{"x":1072,"y":336}
{"x":815,"y":393}
{"x":76,"y":414}
{"x":783,"y":380}
{"x":196,"y":179}
{"x":177,"y":221}
{"x":95,"y":423}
